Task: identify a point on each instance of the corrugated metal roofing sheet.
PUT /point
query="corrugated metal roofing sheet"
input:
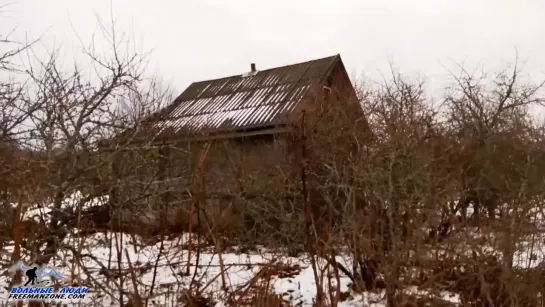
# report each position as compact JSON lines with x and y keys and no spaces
{"x":238,"y":103}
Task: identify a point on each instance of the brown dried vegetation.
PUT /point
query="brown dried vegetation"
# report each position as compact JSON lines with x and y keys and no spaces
{"x":390,"y":188}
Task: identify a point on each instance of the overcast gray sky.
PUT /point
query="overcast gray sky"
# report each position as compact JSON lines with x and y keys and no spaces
{"x":205,"y":39}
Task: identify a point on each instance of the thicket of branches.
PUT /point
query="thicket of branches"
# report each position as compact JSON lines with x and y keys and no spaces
{"x":443,"y":195}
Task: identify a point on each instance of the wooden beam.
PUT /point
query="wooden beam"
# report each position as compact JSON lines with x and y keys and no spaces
{"x":220,"y":136}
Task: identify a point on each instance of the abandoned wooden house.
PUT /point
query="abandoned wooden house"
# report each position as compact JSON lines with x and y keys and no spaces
{"x":237,"y":135}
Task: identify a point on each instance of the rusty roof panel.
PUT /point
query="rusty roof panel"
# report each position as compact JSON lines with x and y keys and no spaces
{"x":238,"y":103}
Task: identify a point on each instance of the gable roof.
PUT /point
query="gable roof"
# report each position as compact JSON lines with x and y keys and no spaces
{"x":240,"y":103}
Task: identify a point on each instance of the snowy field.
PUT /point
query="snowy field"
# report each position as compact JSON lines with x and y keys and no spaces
{"x":165,"y":270}
{"x":170,"y":268}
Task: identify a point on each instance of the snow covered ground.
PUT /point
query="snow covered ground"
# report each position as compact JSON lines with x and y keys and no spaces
{"x":164,"y":270}
{"x":167,"y":269}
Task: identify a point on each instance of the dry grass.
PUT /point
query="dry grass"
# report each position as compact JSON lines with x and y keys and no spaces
{"x":390,"y":188}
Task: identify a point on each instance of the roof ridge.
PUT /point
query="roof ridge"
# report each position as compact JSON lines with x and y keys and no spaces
{"x":272,"y":68}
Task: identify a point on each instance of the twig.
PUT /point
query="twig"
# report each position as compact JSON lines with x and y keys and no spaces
{"x":155,"y":269}
{"x":138,"y":298}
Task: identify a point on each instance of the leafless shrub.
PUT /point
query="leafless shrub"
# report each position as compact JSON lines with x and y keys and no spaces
{"x":388,"y":189}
